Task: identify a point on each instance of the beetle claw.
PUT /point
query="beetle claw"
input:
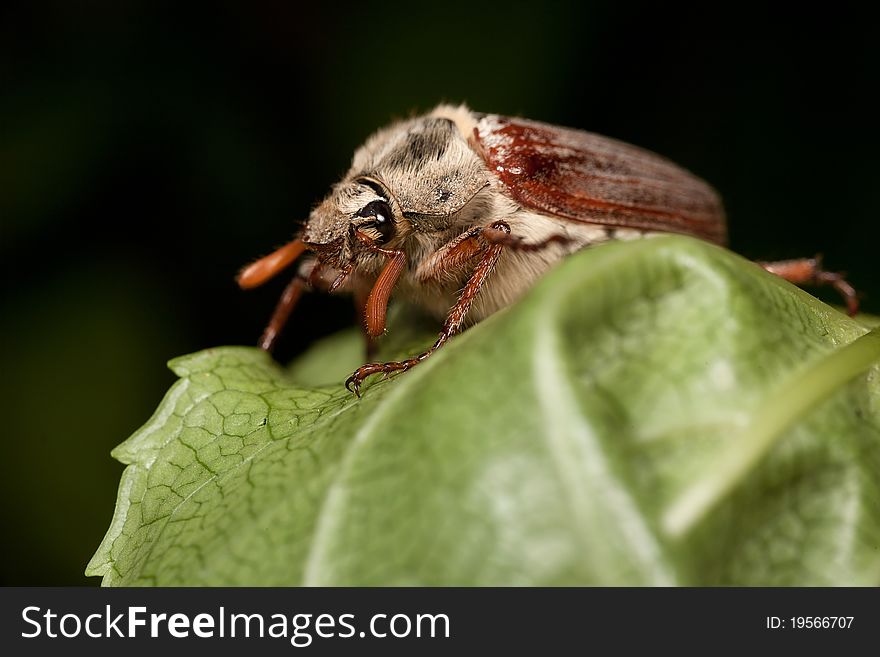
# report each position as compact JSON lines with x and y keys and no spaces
{"x":352,"y":384}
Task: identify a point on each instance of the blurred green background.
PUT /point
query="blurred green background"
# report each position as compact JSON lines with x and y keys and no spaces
{"x":148,"y":150}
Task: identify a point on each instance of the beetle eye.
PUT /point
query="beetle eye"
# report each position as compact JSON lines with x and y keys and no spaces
{"x":381,"y":218}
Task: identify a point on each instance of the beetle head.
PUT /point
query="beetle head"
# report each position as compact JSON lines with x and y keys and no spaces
{"x":357,"y":212}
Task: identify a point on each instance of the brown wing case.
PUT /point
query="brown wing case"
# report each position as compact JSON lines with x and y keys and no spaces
{"x":587,"y":177}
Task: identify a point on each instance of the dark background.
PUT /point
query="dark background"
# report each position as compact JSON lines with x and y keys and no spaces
{"x":149,"y":150}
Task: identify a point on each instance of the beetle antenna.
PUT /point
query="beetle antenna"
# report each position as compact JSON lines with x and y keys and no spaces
{"x":376,"y":308}
{"x":267,"y":267}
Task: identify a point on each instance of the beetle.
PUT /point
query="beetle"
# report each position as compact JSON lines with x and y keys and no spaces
{"x":434,"y":205}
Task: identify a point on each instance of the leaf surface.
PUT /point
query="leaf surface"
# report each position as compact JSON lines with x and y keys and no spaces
{"x":658,"y":412}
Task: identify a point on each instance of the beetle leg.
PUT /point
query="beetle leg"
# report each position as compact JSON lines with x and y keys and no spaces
{"x":456,"y":315}
{"x":446,"y":263}
{"x":308,"y":272}
{"x":279,"y":318}
{"x":515,"y":242}
{"x":808,"y":271}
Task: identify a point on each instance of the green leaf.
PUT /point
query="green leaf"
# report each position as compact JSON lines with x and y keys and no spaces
{"x":653,"y":412}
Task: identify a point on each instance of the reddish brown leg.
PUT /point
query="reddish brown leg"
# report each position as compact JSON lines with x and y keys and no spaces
{"x":808,"y":271}
{"x":449,"y":260}
{"x":495,"y":236}
{"x":266,"y":268}
{"x":453,"y":320}
{"x":308,"y":277}
{"x":288,"y":300}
